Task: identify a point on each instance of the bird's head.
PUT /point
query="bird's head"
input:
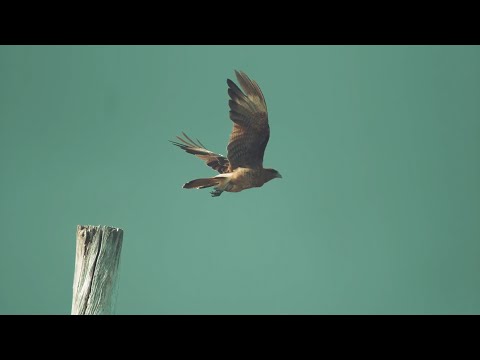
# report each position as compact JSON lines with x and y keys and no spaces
{"x":273,"y":174}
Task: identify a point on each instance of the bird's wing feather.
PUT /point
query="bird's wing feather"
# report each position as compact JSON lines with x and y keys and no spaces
{"x":215,"y":161}
{"x":251,"y":132}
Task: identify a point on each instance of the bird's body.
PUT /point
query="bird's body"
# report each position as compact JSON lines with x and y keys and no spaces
{"x":235,"y":181}
{"x":243,"y":167}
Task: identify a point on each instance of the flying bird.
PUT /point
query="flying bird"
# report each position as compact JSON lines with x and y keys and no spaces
{"x":242,"y":168}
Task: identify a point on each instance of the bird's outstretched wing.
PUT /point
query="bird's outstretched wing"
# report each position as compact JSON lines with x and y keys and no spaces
{"x":215,"y":161}
{"x":251,"y":131}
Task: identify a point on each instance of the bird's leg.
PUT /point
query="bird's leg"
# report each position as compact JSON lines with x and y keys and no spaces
{"x":216,"y":193}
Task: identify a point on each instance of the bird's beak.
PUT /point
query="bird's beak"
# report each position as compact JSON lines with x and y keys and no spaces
{"x":279,"y":176}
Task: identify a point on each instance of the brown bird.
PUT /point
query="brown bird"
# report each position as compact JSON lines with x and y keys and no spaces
{"x":243,"y":167}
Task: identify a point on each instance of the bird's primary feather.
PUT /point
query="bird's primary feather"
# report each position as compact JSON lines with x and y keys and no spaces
{"x":215,"y":161}
{"x":251,"y":132}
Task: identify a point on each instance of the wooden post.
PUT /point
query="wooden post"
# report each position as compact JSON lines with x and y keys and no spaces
{"x":96,"y":269}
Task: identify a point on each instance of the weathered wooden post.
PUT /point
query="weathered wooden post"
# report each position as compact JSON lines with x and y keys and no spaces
{"x":96,"y":269}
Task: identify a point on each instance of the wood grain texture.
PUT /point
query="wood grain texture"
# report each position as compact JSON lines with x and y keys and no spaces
{"x":96,"y":269}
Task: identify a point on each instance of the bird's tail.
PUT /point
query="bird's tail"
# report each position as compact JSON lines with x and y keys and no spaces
{"x":201,"y":183}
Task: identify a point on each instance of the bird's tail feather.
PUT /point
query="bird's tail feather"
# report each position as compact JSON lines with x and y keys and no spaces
{"x":201,"y":183}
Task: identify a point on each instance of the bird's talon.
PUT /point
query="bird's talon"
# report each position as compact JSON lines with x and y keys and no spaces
{"x":216,"y":193}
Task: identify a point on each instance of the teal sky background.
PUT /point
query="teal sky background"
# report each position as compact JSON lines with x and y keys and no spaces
{"x":378,"y":211}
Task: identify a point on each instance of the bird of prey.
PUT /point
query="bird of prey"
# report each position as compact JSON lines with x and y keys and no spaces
{"x":242,"y":168}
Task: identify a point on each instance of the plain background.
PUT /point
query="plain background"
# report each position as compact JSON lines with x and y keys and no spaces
{"x":377,"y":212}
